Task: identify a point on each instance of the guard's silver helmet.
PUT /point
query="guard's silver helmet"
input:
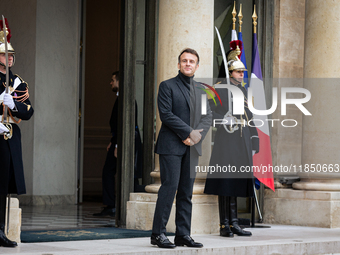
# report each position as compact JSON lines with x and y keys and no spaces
{"x":234,"y":63}
{"x":2,"y":41}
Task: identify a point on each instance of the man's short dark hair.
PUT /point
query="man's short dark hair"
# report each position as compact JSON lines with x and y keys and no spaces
{"x":116,"y":73}
{"x":191,"y":51}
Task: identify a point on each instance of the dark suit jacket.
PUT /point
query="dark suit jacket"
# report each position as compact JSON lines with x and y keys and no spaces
{"x":114,"y":123}
{"x":138,"y":141}
{"x":174,"y":111}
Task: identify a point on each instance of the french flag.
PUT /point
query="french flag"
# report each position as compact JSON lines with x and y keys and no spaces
{"x":264,"y":157}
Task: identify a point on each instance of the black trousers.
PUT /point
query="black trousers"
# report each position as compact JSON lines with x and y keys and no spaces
{"x":175,"y":176}
{"x":108,"y":178}
{"x":2,"y":210}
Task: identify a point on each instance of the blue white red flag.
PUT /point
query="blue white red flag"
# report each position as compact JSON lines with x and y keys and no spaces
{"x":233,"y":35}
{"x":245,"y":83}
{"x":264,"y":157}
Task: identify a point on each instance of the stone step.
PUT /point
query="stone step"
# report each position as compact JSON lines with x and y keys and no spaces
{"x":275,"y":240}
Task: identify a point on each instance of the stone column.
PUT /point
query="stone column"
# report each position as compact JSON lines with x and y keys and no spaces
{"x":288,"y":72}
{"x":47,"y":50}
{"x":320,"y":141}
{"x":316,"y":198}
{"x":178,"y":29}
{"x":182,"y":24}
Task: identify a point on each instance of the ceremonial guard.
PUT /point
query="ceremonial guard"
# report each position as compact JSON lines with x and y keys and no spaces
{"x":14,"y":107}
{"x":234,"y":146}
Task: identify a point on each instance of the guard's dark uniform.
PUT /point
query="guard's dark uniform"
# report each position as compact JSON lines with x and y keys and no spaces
{"x":233,"y":152}
{"x":234,"y":149}
{"x":12,"y":179}
{"x":11,"y":167}
{"x":12,"y":172}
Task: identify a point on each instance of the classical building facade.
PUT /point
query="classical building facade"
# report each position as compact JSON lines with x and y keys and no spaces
{"x":67,"y":50}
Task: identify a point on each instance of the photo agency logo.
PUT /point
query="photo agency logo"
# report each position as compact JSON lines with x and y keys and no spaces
{"x":204,"y":108}
{"x":260,"y":115}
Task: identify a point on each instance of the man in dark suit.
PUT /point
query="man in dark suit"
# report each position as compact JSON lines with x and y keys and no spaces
{"x":109,"y":169}
{"x":179,"y":144}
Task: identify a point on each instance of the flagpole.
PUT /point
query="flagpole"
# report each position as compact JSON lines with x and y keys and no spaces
{"x":254,"y":18}
{"x":254,"y":199}
{"x":233,"y":31}
{"x":234,"y":16}
{"x":240,"y":17}
{"x":264,"y":156}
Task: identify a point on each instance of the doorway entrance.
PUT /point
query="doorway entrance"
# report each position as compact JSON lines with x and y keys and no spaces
{"x":103,"y":53}
{"x":101,"y":24}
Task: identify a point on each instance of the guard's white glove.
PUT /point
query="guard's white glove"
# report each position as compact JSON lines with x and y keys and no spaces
{"x":254,"y":151}
{"x":3,"y":129}
{"x":229,"y":121}
{"x":8,"y":100}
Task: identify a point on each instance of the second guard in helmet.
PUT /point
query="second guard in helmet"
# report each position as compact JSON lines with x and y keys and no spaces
{"x":19,"y":108}
{"x":232,"y":150}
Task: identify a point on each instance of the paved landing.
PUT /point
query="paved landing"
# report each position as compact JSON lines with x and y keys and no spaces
{"x":274,"y":240}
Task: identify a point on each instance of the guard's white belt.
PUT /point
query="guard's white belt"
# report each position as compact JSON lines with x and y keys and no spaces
{"x":9,"y":119}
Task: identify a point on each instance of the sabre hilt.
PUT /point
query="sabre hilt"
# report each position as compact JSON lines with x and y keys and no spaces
{"x":229,"y":127}
{"x":8,"y":135}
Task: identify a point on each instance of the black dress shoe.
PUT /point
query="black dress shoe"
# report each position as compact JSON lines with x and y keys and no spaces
{"x":188,"y":241}
{"x":161,"y":241}
{"x":236,"y":229}
{"x":5,"y":242}
{"x":226,"y":231}
{"x":107,"y":211}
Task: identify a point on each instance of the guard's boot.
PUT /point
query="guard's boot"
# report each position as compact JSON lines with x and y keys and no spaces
{"x":235,"y":228}
{"x":4,"y":241}
{"x":223,"y":207}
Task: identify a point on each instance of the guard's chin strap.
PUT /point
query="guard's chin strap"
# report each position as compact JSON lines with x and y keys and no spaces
{"x":236,"y":82}
{"x":2,"y":64}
